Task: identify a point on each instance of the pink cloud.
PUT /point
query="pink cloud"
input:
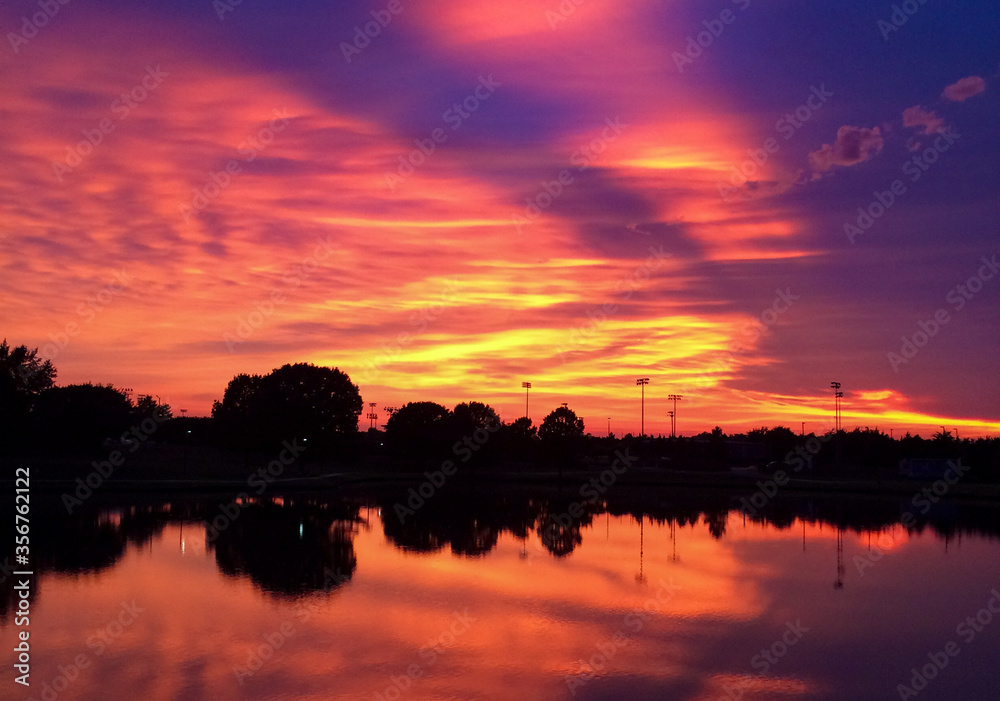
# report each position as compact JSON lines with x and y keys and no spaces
{"x":853,"y":145}
{"x":917,"y":116}
{"x":964,"y":89}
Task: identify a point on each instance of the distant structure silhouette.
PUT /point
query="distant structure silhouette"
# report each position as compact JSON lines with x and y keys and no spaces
{"x":673,"y":415}
{"x":642,"y":382}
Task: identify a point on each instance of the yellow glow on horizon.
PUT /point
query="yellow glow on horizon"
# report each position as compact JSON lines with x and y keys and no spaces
{"x":667,"y":163}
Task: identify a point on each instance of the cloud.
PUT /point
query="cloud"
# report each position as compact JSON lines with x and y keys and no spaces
{"x":853,"y":146}
{"x":917,"y":116}
{"x":964,"y":89}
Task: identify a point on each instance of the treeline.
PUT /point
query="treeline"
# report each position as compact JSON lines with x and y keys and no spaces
{"x":314,"y":407}
{"x":36,"y":416}
{"x":318,"y":408}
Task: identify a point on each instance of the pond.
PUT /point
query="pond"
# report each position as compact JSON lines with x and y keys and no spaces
{"x":509,"y":593}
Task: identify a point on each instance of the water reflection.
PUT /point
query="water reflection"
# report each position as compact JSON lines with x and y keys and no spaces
{"x":84,"y":542}
{"x":289,"y":547}
{"x":470,"y":522}
{"x":543,"y":581}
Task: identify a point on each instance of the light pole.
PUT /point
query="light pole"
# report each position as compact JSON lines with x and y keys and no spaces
{"x":837,"y":394}
{"x":671,"y":415}
{"x":642,"y":382}
{"x":675,"y":398}
{"x":527,"y":386}
{"x":609,"y":427}
{"x":372,"y":415}
{"x":187,"y":439}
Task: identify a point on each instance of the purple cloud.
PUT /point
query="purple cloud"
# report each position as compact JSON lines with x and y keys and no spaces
{"x":853,"y":145}
{"x":917,"y":116}
{"x":964,"y":89}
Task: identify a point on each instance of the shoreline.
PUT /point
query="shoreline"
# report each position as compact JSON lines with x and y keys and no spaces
{"x":572,"y":479}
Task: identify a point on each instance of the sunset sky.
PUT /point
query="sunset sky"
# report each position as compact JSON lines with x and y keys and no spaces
{"x":445,"y":199}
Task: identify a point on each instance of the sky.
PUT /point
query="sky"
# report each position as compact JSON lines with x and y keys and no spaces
{"x":742,"y":200}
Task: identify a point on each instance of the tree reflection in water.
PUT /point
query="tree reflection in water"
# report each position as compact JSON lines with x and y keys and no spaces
{"x":85,"y":542}
{"x":290,"y":548}
{"x":299,"y":545}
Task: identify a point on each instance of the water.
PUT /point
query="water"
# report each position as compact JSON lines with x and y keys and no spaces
{"x":667,"y":595}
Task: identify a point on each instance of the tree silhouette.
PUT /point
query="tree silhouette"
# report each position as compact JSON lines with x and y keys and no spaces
{"x":561,"y":433}
{"x":23,"y":376}
{"x":419,"y":430}
{"x":477,"y":421}
{"x":523,"y":427}
{"x":27,"y":373}
{"x":78,"y":418}
{"x":301,"y":401}
{"x":240,"y":415}
{"x":467,"y":417}
{"x":519,"y":439}
{"x":560,"y":425}
{"x":147,"y":406}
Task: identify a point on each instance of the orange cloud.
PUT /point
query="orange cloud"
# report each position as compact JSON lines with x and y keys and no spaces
{"x":255,"y":224}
